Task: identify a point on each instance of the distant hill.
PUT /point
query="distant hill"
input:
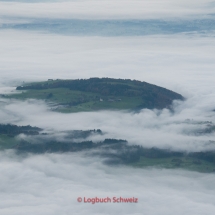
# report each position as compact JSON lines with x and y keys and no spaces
{"x":99,"y":94}
{"x":28,"y":139}
{"x":118,"y":151}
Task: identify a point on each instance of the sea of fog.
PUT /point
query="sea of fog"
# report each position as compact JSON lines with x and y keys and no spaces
{"x":168,"y":43}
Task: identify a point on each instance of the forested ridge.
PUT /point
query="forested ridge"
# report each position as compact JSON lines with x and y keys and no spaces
{"x":144,"y":95}
{"x":112,"y":151}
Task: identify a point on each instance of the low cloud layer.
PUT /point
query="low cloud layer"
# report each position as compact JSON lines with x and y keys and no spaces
{"x":183,"y":63}
{"x":117,"y":9}
{"x":149,"y":128}
{"x":50,"y":184}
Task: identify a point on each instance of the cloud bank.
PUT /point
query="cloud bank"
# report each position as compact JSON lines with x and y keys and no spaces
{"x":50,"y":184}
{"x":183,"y":62}
{"x":117,"y":9}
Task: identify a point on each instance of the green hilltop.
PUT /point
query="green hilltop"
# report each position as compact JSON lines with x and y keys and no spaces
{"x":98,"y":94}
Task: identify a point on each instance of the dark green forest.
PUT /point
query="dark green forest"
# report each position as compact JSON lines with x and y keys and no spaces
{"x":98,"y":94}
{"x":13,"y":130}
{"x":111,"y":151}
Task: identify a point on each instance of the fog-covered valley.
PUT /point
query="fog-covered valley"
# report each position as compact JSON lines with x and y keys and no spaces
{"x":169,"y":44}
